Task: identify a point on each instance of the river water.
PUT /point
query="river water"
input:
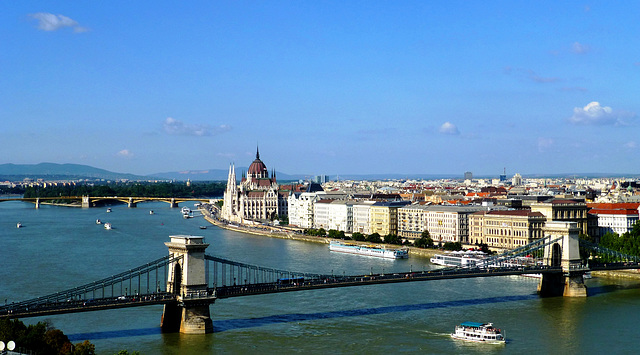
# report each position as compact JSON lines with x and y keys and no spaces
{"x":59,"y":248}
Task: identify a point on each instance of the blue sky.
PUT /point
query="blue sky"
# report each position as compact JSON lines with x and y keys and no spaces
{"x":324,"y":87}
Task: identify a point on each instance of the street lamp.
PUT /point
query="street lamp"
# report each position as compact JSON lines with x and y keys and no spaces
{"x":9,"y":346}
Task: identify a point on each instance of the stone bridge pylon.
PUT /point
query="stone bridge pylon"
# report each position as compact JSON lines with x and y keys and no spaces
{"x":187,"y":280}
{"x":564,"y":253}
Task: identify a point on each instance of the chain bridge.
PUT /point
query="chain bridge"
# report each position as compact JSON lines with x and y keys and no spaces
{"x":188,"y":281}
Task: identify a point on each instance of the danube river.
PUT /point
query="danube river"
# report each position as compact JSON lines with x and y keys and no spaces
{"x":59,"y":248}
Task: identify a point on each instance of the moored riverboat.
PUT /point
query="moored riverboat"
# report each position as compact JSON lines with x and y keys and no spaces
{"x":479,"y":333}
{"x":463,"y":258}
{"x":368,"y":250}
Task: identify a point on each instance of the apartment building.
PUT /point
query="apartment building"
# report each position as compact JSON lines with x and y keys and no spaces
{"x":506,"y":229}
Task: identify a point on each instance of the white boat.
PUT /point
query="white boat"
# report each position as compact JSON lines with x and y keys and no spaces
{"x":151,"y":212}
{"x":19,"y":225}
{"x":462,"y":258}
{"x":369,"y":250}
{"x":98,"y":221}
{"x":108,"y":209}
{"x":479,"y":333}
{"x":185,"y":210}
{"x":107,"y":226}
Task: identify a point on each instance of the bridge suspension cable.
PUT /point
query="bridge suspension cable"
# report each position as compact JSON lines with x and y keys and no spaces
{"x":602,"y":250}
{"x":105,"y":287}
{"x":223,"y":272}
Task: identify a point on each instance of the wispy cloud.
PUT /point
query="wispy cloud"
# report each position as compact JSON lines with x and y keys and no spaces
{"x":51,"y":22}
{"x":631,"y":145}
{"x":531,"y":75}
{"x":449,"y":128}
{"x":125,"y":153}
{"x":179,"y":128}
{"x":544,"y":144}
{"x":593,"y":114}
{"x":579,"y":48}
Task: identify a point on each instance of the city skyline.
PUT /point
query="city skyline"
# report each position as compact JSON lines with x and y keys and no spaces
{"x":323,"y":88}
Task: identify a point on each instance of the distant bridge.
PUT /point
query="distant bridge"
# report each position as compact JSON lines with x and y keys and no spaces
{"x":92,"y":201}
{"x":187,"y":281}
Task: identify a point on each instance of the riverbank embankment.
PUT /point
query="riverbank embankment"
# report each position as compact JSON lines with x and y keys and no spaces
{"x":287,"y":234}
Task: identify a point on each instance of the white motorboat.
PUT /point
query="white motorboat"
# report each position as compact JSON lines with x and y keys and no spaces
{"x":19,"y":225}
{"x":107,"y":226}
{"x":108,"y":209}
{"x":479,"y":333}
{"x":151,"y":212}
{"x":98,"y":221}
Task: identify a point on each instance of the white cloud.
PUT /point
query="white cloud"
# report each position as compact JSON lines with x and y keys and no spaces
{"x":51,"y":22}
{"x":179,"y":128}
{"x":594,"y":114}
{"x":631,"y":145}
{"x":545,"y":143}
{"x":579,"y":48}
{"x":125,"y":153}
{"x":449,"y":128}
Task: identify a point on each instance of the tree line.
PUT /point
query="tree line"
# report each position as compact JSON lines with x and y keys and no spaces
{"x":163,"y":189}
{"x":425,"y":241}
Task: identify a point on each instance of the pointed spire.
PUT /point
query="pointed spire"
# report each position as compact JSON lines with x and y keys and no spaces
{"x":257,"y":152}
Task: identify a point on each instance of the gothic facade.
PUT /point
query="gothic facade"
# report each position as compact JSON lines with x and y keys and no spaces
{"x":257,"y":197}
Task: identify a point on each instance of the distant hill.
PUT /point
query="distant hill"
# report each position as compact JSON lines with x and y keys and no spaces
{"x":53,"y":171}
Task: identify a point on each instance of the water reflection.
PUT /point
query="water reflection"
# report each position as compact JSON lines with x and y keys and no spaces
{"x":231,"y":324}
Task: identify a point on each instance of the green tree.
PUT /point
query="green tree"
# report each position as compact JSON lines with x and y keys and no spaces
{"x":452,"y":246}
{"x":392,"y":239}
{"x":84,"y":348}
{"x":424,"y":241}
{"x":358,"y":236}
{"x":374,"y":238}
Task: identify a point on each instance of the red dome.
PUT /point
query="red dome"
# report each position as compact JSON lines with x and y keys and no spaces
{"x":257,"y":168}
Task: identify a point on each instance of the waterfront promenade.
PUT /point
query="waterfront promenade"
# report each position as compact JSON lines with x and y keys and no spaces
{"x":289,"y":233}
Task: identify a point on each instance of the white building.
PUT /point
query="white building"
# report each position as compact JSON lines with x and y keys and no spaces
{"x":450,"y":223}
{"x":616,"y":218}
{"x":361,"y":212}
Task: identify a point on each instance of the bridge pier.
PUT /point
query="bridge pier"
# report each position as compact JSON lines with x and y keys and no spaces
{"x":173,"y":203}
{"x":131,"y":203}
{"x":86,"y":202}
{"x":187,"y":281}
{"x":37,"y":203}
{"x":565,"y":254}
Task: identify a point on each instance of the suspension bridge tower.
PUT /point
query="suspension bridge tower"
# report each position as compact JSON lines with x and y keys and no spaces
{"x":564,"y":253}
{"x":187,"y":280}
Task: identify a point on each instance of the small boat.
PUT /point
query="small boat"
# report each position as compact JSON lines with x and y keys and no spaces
{"x":98,"y":221}
{"x":109,"y":209}
{"x":19,"y":225}
{"x":203,"y":227}
{"x":479,"y":333}
{"x":107,"y":226}
{"x":151,"y":212}
{"x":185,"y":210}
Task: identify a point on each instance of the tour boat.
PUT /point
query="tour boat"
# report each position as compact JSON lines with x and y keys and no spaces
{"x":460,"y":258}
{"x":369,"y":250}
{"x":479,"y":332}
{"x":107,"y":226}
